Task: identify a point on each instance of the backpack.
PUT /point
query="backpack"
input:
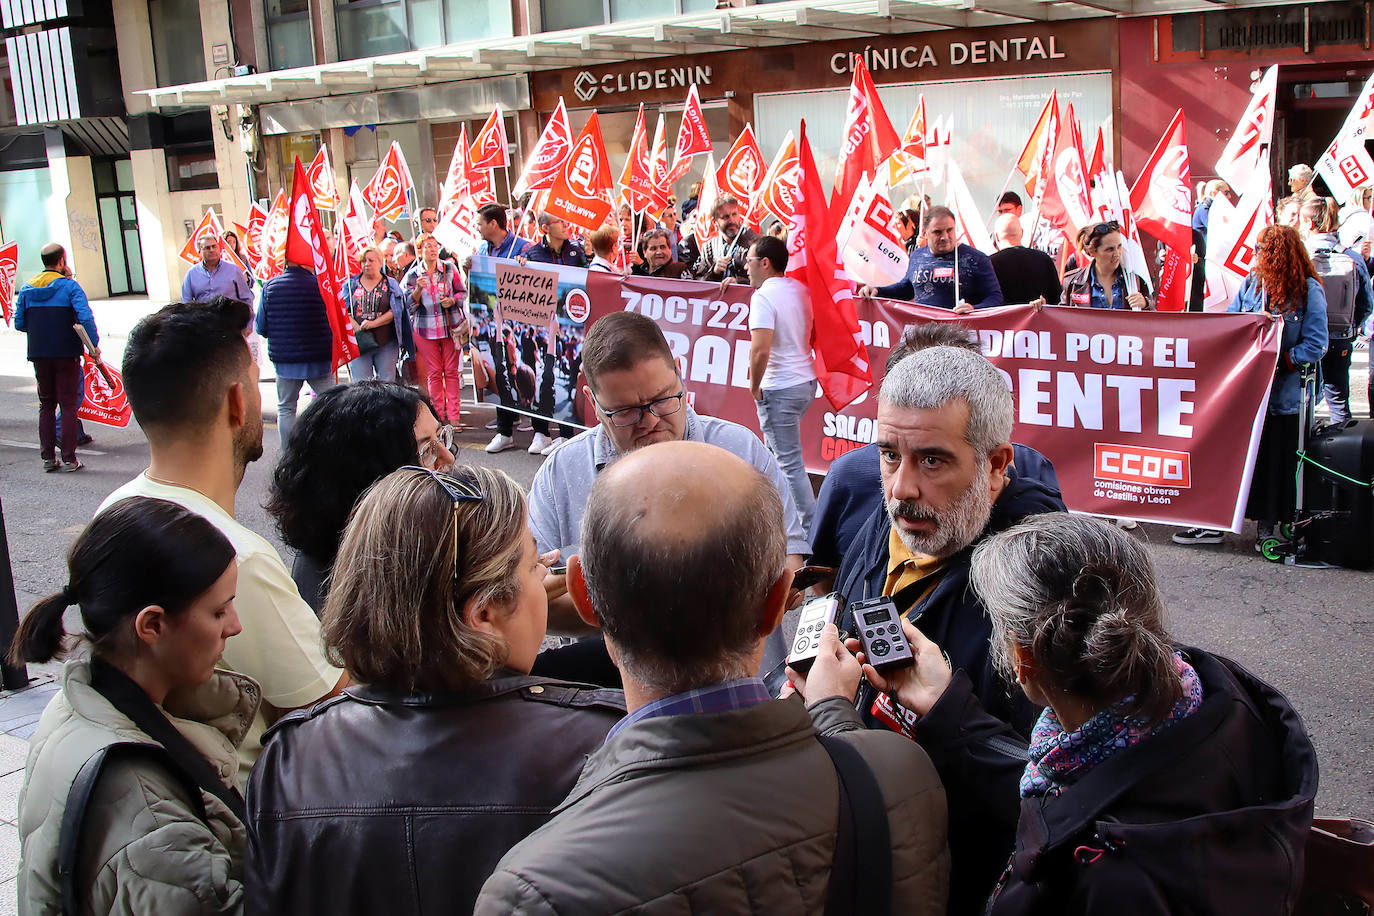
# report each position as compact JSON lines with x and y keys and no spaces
{"x":1339,"y":280}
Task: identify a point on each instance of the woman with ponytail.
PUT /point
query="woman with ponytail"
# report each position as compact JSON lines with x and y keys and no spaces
{"x":129,"y":803}
{"x":1158,"y":779}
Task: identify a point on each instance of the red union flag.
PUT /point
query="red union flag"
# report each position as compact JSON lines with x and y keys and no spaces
{"x":274,"y":239}
{"x":703,"y":226}
{"x":660,"y":181}
{"x":252,"y":239}
{"x":208,"y":225}
{"x":581,"y":194}
{"x":836,"y":338}
{"x":741,"y":171}
{"x":322,"y":184}
{"x":780,"y":186}
{"x":1346,"y":165}
{"x":1064,"y":200}
{"x":489,"y":146}
{"x":869,"y":138}
{"x":105,"y":402}
{"x":548,"y":155}
{"x":388,"y":190}
{"x":9,"y":267}
{"x":635,"y":187}
{"x":1162,"y":196}
{"x":307,"y":245}
{"x":692,"y":138}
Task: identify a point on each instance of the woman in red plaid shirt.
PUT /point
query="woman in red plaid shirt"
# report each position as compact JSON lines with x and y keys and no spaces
{"x":438,"y":314}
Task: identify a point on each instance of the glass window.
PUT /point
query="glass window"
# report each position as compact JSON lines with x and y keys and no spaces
{"x":370,"y":27}
{"x":191,"y":170}
{"x":572,"y":14}
{"x":178,"y":49}
{"x":642,"y":9}
{"x":289,"y":39}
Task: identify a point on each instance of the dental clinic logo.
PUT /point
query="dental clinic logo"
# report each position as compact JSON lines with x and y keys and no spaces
{"x":585,"y":86}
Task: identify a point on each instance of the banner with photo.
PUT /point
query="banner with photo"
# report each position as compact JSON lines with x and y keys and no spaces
{"x":527,"y":328}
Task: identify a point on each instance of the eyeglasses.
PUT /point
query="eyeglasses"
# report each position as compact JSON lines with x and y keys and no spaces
{"x":622,"y":417}
{"x":429,"y":452}
{"x":459,"y":491}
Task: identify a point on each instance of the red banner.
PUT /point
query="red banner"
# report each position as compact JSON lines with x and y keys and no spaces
{"x":546,"y":159}
{"x":307,"y":245}
{"x":105,"y":401}
{"x":1146,"y":415}
{"x":9,"y":266}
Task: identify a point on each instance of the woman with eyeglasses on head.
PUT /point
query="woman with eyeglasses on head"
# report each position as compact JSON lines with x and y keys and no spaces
{"x":401,"y":796}
{"x":346,"y":440}
{"x":1104,"y":283}
{"x":1283,"y":284}
{"x":129,"y":802}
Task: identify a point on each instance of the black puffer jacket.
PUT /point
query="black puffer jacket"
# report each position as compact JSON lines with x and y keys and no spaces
{"x":1209,"y":817}
{"x":377,"y":802}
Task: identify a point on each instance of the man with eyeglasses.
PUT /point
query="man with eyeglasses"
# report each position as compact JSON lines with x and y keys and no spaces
{"x":943,"y":273}
{"x":639,"y":398}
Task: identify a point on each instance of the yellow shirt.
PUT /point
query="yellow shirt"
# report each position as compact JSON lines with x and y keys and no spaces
{"x":905,"y":568}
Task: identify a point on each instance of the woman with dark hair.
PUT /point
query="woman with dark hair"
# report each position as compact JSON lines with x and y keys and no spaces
{"x":1282,"y":284}
{"x":1103,"y":283}
{"x":909,"y":228}
{"x":346,"y":440}
{"x":401,"y":796}
{"x":134,"y":761}
{"x":1157,"y":780}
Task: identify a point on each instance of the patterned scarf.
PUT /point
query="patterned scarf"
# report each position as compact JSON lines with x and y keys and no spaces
{"x":1058,"y":759}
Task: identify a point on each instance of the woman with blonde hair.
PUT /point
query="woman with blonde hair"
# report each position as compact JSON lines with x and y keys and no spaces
{"x":401,"y":796}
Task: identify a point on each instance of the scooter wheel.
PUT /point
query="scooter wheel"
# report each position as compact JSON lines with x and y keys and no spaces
{"x":1272,"y":549}
{"x":1286,"y":530}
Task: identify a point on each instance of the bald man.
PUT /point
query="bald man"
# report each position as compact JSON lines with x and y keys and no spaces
{"x":1026,"y":274}
{"x":685,"y":599}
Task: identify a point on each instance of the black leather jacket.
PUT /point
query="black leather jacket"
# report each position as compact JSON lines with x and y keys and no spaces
{"x":380,"y":802}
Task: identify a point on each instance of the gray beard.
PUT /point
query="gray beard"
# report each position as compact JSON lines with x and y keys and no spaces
{"x":958,"y":527}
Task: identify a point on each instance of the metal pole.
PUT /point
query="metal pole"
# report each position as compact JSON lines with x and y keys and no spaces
{"x":14,"y":676}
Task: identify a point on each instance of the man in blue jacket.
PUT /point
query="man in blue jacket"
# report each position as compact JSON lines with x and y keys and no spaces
{"x":931,"y":272}
{"x":300,"y":343}
{"x":48,"y":307}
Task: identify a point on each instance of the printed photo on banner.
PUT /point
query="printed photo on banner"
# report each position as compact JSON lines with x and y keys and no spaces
{"x":528,"y":323}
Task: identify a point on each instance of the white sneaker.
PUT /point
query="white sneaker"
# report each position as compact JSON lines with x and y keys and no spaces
{"x":539,"y":443}
{"x":500,"y":443}
{"x":553,"y":446}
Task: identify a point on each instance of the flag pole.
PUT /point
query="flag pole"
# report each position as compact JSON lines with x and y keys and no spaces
{"x":1006,"y":184}
{"x":956,"y":272}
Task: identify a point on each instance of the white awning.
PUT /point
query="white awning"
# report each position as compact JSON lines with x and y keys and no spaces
{"x":695,"y":33}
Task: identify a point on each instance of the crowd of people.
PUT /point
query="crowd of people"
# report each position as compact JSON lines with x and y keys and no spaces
{"x":384,"y":725}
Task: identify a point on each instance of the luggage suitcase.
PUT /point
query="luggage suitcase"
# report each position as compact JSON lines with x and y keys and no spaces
{"x":1338,"y":495}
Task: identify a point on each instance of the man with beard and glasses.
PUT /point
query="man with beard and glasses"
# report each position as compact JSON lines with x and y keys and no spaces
{"x":945,"y":456}
{"x":193,"y":387}
{"x":723,"y":254}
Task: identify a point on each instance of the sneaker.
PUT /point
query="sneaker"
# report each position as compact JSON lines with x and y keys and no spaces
{"x":539,"y":443}
{"x":1127,"y":524}
{"x":73,"y":465}
{"x":1198,"y":536}
{"x":50,"y":465}
{"x":553,"y":446}
{"x":84,"y":439}
{"x":499,"y":443}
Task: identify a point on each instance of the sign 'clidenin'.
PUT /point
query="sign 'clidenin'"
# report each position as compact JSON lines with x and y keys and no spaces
{"x":588,"y":84}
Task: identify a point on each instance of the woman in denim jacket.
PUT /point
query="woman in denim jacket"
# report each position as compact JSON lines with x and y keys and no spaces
{"x":1284,"y":284}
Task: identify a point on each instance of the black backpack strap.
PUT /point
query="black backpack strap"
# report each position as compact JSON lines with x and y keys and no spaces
{"x":861,"y":876}
{"x":79,"y":799}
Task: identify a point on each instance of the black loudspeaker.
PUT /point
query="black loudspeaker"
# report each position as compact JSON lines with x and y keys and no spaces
{"x":1336,"y":479}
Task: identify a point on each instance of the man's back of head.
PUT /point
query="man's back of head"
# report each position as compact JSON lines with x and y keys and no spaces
{"x":1007,"y":231}
{"x":681,"y":594}
{"x":180,"y":361}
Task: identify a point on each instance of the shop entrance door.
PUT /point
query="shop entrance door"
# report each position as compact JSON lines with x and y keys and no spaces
{"x":1313,"y":101}
{"x":114,"y":198}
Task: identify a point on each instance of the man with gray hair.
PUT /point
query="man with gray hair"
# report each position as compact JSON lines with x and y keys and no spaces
{"x":685,"y":599}
{"x":1300,"y":182}
{"x":944,"y":451}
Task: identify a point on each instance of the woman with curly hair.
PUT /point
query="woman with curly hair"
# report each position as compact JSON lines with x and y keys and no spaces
{"x":349,"y":438}
{"x":1283,"y":284}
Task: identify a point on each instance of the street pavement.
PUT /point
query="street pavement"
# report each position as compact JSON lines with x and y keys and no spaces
{"x":1309,"y":632}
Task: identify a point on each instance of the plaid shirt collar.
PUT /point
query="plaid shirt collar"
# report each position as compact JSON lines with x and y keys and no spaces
{"x":723,"y":697}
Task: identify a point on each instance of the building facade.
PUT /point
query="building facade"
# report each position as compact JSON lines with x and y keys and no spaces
{"x":176,"y":105}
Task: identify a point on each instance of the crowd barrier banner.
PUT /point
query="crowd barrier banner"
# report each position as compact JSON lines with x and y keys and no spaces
{"x":1145,"y":415}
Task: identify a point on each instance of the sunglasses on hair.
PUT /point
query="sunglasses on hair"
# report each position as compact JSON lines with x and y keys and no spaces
{"x":458,"y":491}
{"x":1102,"y":229}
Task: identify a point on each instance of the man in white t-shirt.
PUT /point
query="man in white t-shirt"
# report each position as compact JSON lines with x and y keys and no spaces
{"x":782,"y":376}
{"x":193,"y":387}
